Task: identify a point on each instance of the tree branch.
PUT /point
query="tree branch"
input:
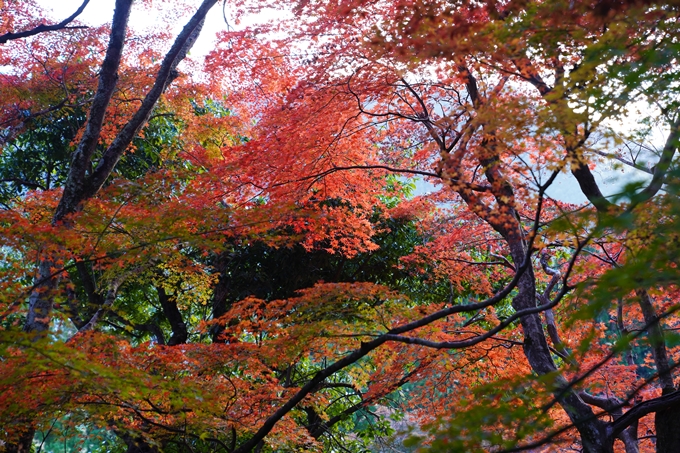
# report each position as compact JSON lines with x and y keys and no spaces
{"x":44,"y":28}
{"x":366,"y":348}
{"x":166,"y":74}
{"x":660,"y":403}
{"x":108,"y":78}
{"x":661,"y":168}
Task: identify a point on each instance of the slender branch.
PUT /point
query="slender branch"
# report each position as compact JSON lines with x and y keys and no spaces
{"x":630,"y":163}
{"x":24,"y":182}
{"x":324,"y":426}
{"x":44,"y":28}
{"x":460,"y":344}
{"x":110,"y":298}
{"x":662,"y":166}
{"x":504,"y":263}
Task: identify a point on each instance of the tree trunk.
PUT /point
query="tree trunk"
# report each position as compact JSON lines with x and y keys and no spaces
{"x":40,"y":301}
{"x":536,"y":350}
{"x":23,"y":443}
{"x":138,"y":445}
{"x":172,"y":313}
{"x":220,"y":294}
{"x":666,"y":422}
{"x":667,"y":425}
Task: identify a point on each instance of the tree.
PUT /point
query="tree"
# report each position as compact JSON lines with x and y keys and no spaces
{"x":436,"y":76}
{"x":85,"y":179}
{"x":268,"y":279}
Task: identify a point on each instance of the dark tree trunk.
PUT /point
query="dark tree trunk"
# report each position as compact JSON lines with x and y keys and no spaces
{"x":220,"y":296}
{"x":23,"y":443}
{"x":592,"y":430}
{"x":172,"y":313}
{"x":667,"y":424}
{"x":667,"y":421}
{"x":138,"y":445}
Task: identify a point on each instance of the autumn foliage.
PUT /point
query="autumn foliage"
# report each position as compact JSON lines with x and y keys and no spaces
{"x":361,"y":226}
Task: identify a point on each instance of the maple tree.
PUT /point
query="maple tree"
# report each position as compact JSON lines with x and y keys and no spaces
{"x":233,"y":260}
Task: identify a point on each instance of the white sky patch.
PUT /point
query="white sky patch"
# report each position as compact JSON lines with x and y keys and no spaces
{"x":99,"y":12}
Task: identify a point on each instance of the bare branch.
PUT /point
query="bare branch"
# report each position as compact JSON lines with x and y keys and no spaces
{"x":44,"y":28}
{"x":662,"y":166}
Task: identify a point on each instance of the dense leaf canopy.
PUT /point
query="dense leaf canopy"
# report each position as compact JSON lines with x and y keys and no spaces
{"x":342,"y":230}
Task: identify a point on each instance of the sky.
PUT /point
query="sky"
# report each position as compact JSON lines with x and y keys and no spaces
{"x":564,"y":188}
{"x":98,"y":12}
